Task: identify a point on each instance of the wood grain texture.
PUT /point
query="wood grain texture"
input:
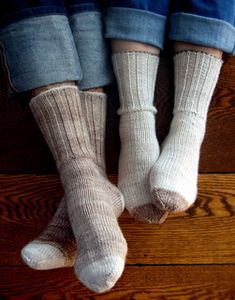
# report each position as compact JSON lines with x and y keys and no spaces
{"x":23,"y":149}
{"x":219,"y":144}
{"x":139,"y":283}
{"x":205,"y":234}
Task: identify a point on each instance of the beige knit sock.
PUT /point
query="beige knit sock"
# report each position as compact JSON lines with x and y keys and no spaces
{"x":55,"y":247}
{"x":174,"y":176}
{"x":136,"y":76}
{"x":93,"y":203}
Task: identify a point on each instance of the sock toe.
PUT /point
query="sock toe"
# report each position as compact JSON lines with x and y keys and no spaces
{"x":149,"y":213}
{"x":42,"y":256}
{"x":101,"y":276}
{"x":167,"y":200}
{"x":139,"y":203}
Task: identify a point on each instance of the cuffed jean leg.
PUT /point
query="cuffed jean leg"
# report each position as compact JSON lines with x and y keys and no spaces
{"x":141,"y":21}
{"x":205,"y":23}
{"x":86,"y":22}
{"x":38,"y":51}
{"x":92,"y":49}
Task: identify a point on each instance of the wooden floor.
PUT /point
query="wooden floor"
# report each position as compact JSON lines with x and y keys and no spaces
{"x":190,"y":256}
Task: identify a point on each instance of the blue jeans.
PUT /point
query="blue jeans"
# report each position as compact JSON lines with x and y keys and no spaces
{"x":61,"y":40}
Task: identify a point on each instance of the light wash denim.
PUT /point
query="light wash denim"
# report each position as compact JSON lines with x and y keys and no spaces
{"x":52,"y":41}
{"x":92,"y":49}
{"x":39,"y":51}
{"x":135,"y":25}
{"x":206,"y":23}
{"x":204,"y":31}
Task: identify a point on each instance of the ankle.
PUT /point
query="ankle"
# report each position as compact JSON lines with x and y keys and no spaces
{"x":43,"y":89}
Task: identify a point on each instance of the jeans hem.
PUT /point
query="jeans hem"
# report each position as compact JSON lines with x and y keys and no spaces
{"x":92,"y":48}
{"x":84,"y":7}
{"x":202,"y":31}
{"x":31,"y":13}
{"x":39,"y":51}
{"x":127,"y":24}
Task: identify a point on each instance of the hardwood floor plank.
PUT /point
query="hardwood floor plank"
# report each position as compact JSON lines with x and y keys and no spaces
{"x":205,"y":234}
{"x":141,"y":283}
{"x":218,"y":148}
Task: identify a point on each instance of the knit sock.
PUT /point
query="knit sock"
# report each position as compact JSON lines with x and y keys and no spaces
{"x":93,"y":203}
{"x":173,"y":178}
{"x":55,"y":247}
{"x":136,"y":75}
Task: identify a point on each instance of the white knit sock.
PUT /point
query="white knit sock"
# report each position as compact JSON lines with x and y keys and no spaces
{"x":174,"y":176}
{"x":136,"y":76}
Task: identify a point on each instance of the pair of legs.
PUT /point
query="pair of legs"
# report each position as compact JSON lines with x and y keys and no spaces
{"x":64,"y":114}
{"x":56,"y":247}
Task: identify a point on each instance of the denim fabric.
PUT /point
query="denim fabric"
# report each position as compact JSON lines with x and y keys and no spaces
{"x":12,"y":11}
{"x":127,"y":24}
{"x":55,"y":44}
{"x":204,"y":31}
{"x":207,"y":23}
{"x":215,"y":9}
{"x":159,"y":7}
{"x":44,"y":39}
{"x":92,"y":48}
{"x":78,"y":6}
{"x":37,"y":57}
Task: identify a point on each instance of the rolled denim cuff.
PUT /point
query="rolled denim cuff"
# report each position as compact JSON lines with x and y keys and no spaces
{"x":92,"y":49}
{"x":203,"y":31}
{"x":31,"y":12}
{"x":39,"y":51}
{"x":135,"y":25}
{"x":80,"y":7}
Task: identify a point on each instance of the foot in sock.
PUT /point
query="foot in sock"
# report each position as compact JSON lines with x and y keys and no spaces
{"x":136,"y":75}
{"x":173,"y":178}
{"x":93,"y":203}
{"x":55,"y":247}
{"x":101,"y":246}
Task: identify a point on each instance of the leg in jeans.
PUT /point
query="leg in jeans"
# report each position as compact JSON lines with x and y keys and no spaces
{"x":42,"y":253}
{"x":37,"y":60}
{"x":201,"y":31}
{"x":73,"y":124}
{"x":137,"y":31}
